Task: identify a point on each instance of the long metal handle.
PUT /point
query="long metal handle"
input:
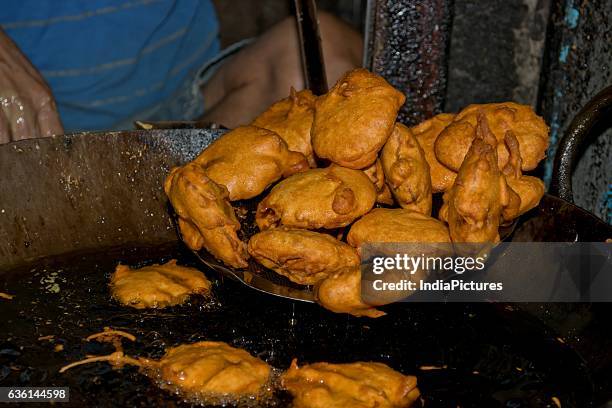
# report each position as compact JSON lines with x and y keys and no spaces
{"x":313,"y":64}
{"x":577,"y":135}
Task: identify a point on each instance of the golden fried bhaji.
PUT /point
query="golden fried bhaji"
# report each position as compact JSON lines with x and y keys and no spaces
{"x":303,"y":256}
{"x":156,"y":286}
{"x":248,"y":159}
{"x":291,"y":118}
{"x":318,"y":198}
{"x":377,"y":176}
{"x":396,"y":225}
{"x":415,"y":235}
{"x":530,"y":130}
{"x":203,"y":371}
{"x":355,"y":385}
{"x":354,"y":119}
{"x":406,"y":170}
{"x":473,"y":205}
{"x":206,"y":218}
{"x":214,"y":367}
{"x":528,"y":189}
{"x":426,"y":133}
{"x":341,"y":293}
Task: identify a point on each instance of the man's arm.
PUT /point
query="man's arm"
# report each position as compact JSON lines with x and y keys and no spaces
{"x":263,"y":72}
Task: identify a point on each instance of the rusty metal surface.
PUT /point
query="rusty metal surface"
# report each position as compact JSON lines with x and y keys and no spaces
{"x":496,"y":51}
{"x":407,"y":42}
{"x":578,"y":65}
{"x":79,"y":192}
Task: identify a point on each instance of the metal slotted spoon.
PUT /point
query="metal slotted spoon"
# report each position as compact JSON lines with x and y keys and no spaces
{"x":254,"y":276}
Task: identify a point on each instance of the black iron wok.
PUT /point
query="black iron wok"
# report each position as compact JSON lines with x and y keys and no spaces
{"x":76,"y":205}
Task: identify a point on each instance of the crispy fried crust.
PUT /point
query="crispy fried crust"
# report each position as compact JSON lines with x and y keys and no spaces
{"x":156,"y":286}
{"x":355,"y":385}
{"x":426,"y":133}
{"x":206,"y":218}
{"x":396,"y":225}
{"x":354,"y":119}
{"x":473,"y":206}
{"x":341,"y":293}
{"x":406,"y":170}
{"x":319,"y":198}
{"x":291,"y":118}
{"x":377,"y":176}
{"x":525,"y":191}
{"x":249,"y":159}
{"x":530,"y":130}
{"x":303,"y":256}
{"x":214,"y":368}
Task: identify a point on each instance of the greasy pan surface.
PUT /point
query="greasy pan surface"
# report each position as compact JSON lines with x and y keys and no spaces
{"x":494,"y":356}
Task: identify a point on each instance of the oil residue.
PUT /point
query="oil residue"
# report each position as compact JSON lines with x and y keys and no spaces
{"x":485,"y":356}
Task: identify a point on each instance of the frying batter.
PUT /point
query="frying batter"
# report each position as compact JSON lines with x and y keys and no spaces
{"x":530,"y":130}
{"x":206,"y":218}
{"x":407,"y":171}
{"x":354,"y":119}
{"x":206,"y":371}
{"x":426,"y":133}
{"x":248,"y":160}
{"x":473,"y":206}
{"x":341,"y":293}
{"x":396,"y":225}
{"x":377,"y":176}
{"x":355,"y":385}
{"x":291,"y":118}
{"x":319,"y":198}
{"x":528,"y":189}
{"x":156,"y":286}
{"x":303,"y":256}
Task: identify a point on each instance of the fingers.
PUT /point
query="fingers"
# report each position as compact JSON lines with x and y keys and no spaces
{"x":5,"y":130}
{"x":27,"y":108}
{"x":21,"y":119}
{"x":48,"y":119}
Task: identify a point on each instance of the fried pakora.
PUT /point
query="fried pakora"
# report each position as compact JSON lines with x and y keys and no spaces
{"x":207,"y":371}
{"x":157,"y":286}
{"x":341,"y":293}
{"x":354,"y":119}
{"x":377,"y":176}
{"x":206,"y":217}
{"x":248,"y":159}
{"x":291,"y":118}
{"x":426,"y":133}
{"x":473,"y":205}
{"x":396,"y":225}
{"x":406,"y":170}
{"x":214,"y":367}
{"x":318,"y":198}
{"x":355,"y":385}
{"x":305,"y":257}
{"x":388,"y":232}
{"x":528,"y":189}
{"x":531,"y":131}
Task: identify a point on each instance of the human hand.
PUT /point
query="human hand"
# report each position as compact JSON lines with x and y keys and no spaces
{"x":27,"y":107}
{"x":263,"y":72}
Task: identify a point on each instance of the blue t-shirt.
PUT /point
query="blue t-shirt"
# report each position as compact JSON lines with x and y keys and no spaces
{"x":106,"y":60}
